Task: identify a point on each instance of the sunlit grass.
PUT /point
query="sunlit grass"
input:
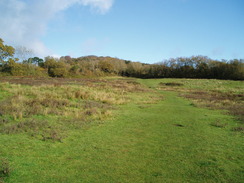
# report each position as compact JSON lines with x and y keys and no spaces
{"x":118,"y":130}
{"x":60,"y":106}
{"x":214,"y":94}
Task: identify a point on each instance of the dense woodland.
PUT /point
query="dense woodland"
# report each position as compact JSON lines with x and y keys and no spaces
{"x":21,"y":62}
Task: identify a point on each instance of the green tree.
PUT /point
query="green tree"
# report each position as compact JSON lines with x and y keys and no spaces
{"x":6,"y":52}
{"x":55,"y":67}
{"x":35,"y":60}
{"x":106,"y":66}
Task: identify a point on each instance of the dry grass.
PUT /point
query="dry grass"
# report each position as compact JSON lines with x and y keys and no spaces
{"x":151,"y":99}
{"x":69,"y":102}
{"x":24,"y":126}
{"x":213,"y":94}
{"x":234,"y":103}
{"x":34,"y":81}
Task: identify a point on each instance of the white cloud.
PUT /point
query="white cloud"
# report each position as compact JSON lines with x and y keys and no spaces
{"x":24,"y":22}
{"x":102,"y":5}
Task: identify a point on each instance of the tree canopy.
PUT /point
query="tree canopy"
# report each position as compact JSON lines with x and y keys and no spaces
{"x":6,"y":51}
{"x":66,"y":66}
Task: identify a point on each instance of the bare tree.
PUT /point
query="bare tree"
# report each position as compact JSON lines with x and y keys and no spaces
{"x":23,"y":53}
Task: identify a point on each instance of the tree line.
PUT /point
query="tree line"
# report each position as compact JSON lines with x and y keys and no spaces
{"x":22,"y":64}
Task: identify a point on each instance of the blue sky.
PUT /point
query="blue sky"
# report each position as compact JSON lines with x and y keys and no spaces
{"x":146,"y":30}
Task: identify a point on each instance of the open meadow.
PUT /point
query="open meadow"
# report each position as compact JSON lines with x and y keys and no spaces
{"x":118,"y":129}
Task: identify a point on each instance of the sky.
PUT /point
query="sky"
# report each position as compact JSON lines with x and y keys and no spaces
{"x":147,"y":31}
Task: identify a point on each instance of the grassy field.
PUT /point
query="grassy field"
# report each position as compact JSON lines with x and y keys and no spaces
{"x":121,"y":130}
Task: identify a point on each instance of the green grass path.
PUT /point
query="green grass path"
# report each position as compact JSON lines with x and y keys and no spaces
{"x":171,"y":141}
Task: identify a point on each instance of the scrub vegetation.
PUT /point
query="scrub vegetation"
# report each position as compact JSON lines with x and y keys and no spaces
{"x":90,"y":66}
{"x":46,"y":111}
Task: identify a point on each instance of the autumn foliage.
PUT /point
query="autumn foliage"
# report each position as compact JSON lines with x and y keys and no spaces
{"x":88,"y":66}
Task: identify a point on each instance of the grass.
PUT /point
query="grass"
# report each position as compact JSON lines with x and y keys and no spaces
{"x":60,"y":107}
{"x":152,"y":136}
{"x":4,"y":169}
{"x":213,"y":94}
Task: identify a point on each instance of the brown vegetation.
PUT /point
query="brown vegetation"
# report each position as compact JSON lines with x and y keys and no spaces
{"x":234,"y":103}
{"x":66,"y":103}
{"x":212,"y":94}
{"x":171,"y":84}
